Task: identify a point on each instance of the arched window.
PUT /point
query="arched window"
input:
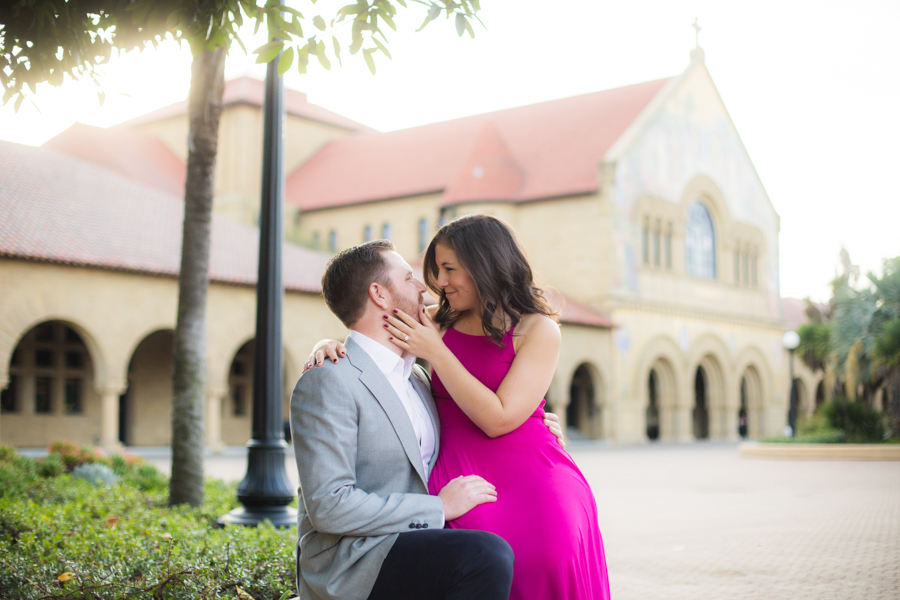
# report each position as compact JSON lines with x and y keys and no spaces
{"x":386,"y":231}
{"x":700,"y":243}
{"x":367,"y":233}
{"x":50,"y":372}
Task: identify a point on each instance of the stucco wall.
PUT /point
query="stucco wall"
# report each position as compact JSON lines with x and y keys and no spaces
{"x":114,"y":313}
{"x":349,"y":222}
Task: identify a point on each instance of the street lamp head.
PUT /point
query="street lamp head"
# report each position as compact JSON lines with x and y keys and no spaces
{"x":790,"y":340}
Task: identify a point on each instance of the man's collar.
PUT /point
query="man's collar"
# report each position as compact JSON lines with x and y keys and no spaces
{"x":384,"y":358}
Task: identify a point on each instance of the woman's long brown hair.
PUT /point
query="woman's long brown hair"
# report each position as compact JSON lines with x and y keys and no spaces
{"x":488,"y":250}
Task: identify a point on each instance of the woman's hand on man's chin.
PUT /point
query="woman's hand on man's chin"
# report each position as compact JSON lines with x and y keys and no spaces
{"x":422,"y":339}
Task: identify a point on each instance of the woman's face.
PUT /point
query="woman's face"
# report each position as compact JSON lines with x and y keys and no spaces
{"x":458,"y":287}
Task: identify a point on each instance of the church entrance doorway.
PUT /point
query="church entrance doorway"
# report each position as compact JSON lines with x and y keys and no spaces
{"x":701,"y":404}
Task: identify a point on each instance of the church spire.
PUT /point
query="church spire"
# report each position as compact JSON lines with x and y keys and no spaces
{"x":697,"y":54}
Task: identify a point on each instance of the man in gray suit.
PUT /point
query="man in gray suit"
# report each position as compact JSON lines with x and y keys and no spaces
{"x":366,"y":435}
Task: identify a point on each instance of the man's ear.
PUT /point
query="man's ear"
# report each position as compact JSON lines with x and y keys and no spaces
{"x":378,"y":295}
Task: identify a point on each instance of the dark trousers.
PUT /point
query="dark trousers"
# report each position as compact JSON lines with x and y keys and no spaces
{"x":451,"y":564}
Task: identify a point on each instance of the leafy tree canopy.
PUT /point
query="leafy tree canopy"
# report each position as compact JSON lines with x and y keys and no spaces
{"x":44,"y":40}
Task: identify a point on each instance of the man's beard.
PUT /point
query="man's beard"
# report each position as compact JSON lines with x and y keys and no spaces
{"x":406,"y":305}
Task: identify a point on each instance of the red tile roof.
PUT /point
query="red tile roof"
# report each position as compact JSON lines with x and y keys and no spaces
{"x":544,"y":150}
{"x":576,"y":313}
{"x":58,"y":209}
{"x":130,"y":153}
{"x":246,"y":90}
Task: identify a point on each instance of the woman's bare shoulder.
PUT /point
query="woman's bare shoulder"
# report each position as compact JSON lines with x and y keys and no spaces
{"x":536,"y":327}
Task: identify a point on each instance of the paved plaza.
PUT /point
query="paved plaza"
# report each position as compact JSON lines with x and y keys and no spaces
{"x":698,"y":522}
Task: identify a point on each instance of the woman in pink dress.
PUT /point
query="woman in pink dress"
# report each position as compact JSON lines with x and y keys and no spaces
{"x":493,"y":347}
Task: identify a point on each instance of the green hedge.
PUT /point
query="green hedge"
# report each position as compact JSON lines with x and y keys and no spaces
{"x":836,"y":422}
{"x":862,"y":424}
{"x":63,"y":537}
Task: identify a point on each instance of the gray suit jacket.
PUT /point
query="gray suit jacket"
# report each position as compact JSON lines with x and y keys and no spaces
{"x":361,"y":477}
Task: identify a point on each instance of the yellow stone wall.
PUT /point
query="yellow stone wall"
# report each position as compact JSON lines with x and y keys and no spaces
{"x":119,"y":317}
{"x":403,"y":216}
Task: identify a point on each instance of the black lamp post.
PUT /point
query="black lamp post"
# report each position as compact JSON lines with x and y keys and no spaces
{"x":791,"y":340}
{"x":265,"y":491}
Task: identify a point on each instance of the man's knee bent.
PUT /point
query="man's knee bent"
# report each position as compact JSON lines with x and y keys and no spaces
{"x":495,"y":551}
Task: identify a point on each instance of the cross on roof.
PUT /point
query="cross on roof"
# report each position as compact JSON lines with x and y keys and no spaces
{"x":697,"y":31}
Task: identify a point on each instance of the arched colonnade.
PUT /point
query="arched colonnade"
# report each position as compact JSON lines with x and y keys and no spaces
{"x":58,"y":382}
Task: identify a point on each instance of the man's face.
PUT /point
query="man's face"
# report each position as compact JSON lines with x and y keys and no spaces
{"x":405,"y":290}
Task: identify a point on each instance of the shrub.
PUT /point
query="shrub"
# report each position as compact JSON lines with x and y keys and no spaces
{"x":13,"y":481}
{"x":96,"y":474}
{"x":73,"y":455}
{"x":121,"y":463}
{"x":7,"y":453}
{"x":51,"y":465}
{"x":814,"y":424}
{"x":146,"y":478}
{"x":857,"y":420}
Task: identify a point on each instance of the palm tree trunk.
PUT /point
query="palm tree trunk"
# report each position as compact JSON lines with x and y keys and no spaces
{"x":189,"y":355}
{"x":892,"y":399}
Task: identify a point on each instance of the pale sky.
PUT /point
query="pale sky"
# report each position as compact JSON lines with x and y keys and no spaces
{"x":812,"y":87}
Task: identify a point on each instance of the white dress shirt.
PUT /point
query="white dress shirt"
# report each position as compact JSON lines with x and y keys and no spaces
{"x":397,"y":369}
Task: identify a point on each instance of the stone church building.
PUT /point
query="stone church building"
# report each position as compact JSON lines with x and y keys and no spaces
{"x":639,"y":207}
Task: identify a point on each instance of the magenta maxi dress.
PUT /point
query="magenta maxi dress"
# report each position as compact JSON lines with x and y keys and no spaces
{"x":545,"y":508}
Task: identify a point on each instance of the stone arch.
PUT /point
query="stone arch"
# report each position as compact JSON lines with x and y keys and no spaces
{"x":145,"y":407}
{"x":14,"y":325}
{"x":660,"y":359}
{"x":710,"y":375}
{"x":584,"y":412}
{"x":235,"y":410}
{"x":137,"y":339}
{"x":760,"y":388}
{"x":49,"y":389}
{"x":661,"y":401}
{"x":751,"y":410}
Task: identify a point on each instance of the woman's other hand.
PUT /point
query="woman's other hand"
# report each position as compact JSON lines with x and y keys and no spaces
{"x":330,"y":349}
{"x":551,"y":420}
{"x":421,"y":338}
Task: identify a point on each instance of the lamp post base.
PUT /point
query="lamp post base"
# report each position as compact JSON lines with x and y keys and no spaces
{"x":279,"y":516}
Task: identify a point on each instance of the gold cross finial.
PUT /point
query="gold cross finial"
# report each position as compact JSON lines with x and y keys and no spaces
{"x":697,"y":31}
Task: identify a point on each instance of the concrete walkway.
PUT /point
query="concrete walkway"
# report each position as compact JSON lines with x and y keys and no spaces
{"x":699,"y":522}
